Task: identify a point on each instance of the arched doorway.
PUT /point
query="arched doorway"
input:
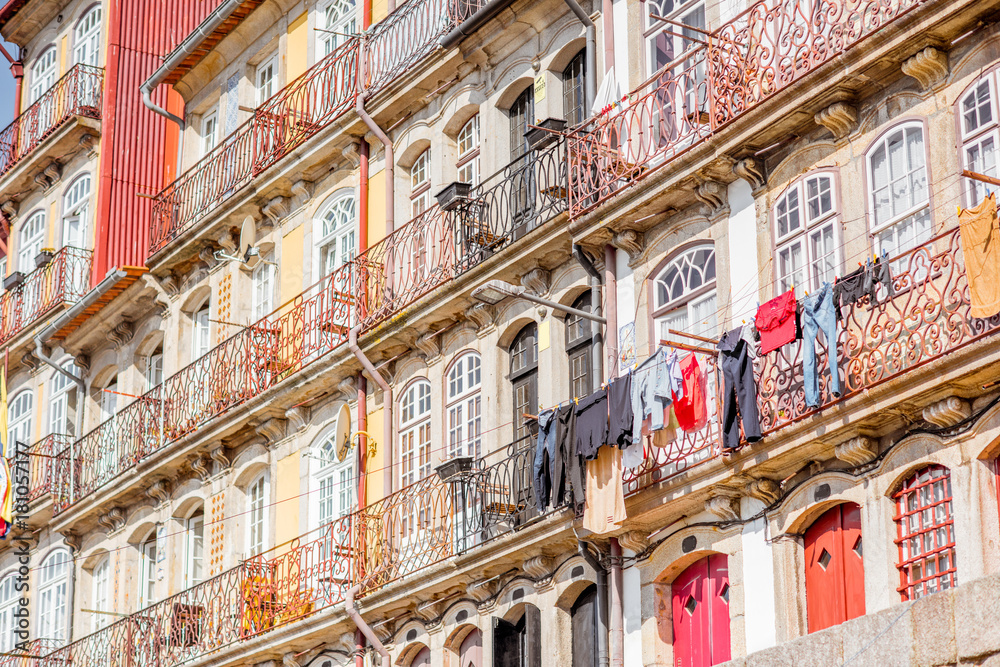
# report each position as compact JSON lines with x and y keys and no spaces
{"x":700,"y":606}
{"x":835,"y":570}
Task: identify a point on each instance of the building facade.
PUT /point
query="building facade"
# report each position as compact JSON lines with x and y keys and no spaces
{"x":253,"y":354}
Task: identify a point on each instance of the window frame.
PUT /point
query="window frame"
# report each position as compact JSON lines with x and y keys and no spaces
{"x":580,"y":347}
{"x":263,"y":278}
{"x":690,"y":298}
{"x":974,"y":191}
{"x":52,"y":584}
{"x":26,"y":418}
{"x":574,"y":83}
{"x":806,"y":229}
{"x":527,"y":376}
{"x":328,"y":469}
{"x":146,"y":594}
{"x":345,"y":23}
{"x":62,"y":387}
{"x":257,"y":523}
{"x":199,"y":328}
{"x":418,"y":428}
{"x":420,"y":198}
{"x":265,"y":90}
{"x":7,"y":606}
{"x":194,"y":547}
{"x":651,"y":30}
{"x":78,"y":210}
{"x":470,"y":156}
{"x":346,"y":227}
{"x":913,"y":484}
{"x":35,"y":225}
{"x":89,"y":39}
{"x":461,"y":403}
{"x":100,"y":579}
{"x":153,"y":372}
{"x":44,"y":73}
{"x":209,"y":136}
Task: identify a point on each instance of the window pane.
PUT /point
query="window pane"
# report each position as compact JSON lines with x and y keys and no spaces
{"x":822,"y":253}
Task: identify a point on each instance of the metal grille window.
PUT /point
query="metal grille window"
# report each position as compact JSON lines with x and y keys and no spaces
{"x":807,"y":252}
{"x":43,"y":74}
{"x":980,"y":135}
{"x":684,"y":293}
{"x":267,"y":79}
{"x":524,"y":378}
{"x":19,"y":413}
{"x":100,"y":599}
{"x":465,"y":406}
{"x":468,"y":152}
{"x":53,"y":597}
{"x":147,"y":571}
{"x":339,"y":23}
{"x":574,"y":98}
{"x":579,"y":335}
{"x":30,"y":241}
{"x":420,"y":184}
{"x":87,"y":38}
{"x":194,"y":549}
{"x":76,"y":213}
{"x":415,"y":433}
{"x":257,"y":506}
{"x":900,"y":196}
{"x":62,"y":404}
{"x":926,"y":533}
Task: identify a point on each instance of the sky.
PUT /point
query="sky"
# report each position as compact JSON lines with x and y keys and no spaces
{"x":6,"y":88}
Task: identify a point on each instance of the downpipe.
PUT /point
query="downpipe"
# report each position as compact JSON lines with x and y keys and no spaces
{"x":390,"y":159}
{"x":590,"y":80}
{"x":617,"y":613}
{"x":364,"y":627}
{"x":387,"y":440}
{"x":602,"y":601}
{"x":611,"y":309}
{"x":596,"y":345}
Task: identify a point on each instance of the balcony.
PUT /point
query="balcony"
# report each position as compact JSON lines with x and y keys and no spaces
{"x":407,"y":532}
{"x":62,"y":281}
{"x":76,"y":95}
{"x":40,"y":461}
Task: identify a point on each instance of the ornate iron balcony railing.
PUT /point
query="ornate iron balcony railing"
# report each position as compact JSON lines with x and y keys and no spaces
{"x":40,"y":460}
{"x":64,"y":279}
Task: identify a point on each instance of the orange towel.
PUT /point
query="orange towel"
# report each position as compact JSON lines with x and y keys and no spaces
{"x":981,"y":249}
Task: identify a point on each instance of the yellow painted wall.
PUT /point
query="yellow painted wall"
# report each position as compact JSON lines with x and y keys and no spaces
{"x":50,"y":237}
{"x":376,"y":208}
{"x":374,"y":488}
{"x":63,"y":54}
{"x":298,"y":38}
{"x":291,"y":264}
{"x":380,"y":9}
{"x":287,"y":505}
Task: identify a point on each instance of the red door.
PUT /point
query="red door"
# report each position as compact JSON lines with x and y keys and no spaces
{"x":835,"y":569}
{"x":700,"y":603}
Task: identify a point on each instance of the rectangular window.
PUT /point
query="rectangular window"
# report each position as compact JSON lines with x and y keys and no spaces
{"x":901,"y":217}
{"x":263,"y":288}
{"x":257,"y":506}
{"x":267,"y":79}
{"x":926,"y":533}
{"x":147,"y":574}
{"x":808,"y":252}
{"x":209,"y":132}
{"x":195,"y":549}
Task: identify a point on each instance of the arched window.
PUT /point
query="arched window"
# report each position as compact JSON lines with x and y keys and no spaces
{"x":62,"y":403}
{"x":835,"y":568}
{"x":53,"y":596}
{"x":154,"y":368}
{"x":76,"y":212}
{"x":8,"y":604}
{"x":470,"y":653}
{"x":420,"y":184}
{"x":807,"y":247}
{"x":263,"y":287}
{"x":415,"y":433}
{"x":468,"y":152}
{"x":339,"y":22}
{"x":109,"y":399}
{"x":19,"y":413}
{"x":334,"y":479}
{"x":574,"y":89}
{"x":684,"y":293}
{"x":524,"y":378}
{"x":521,"y":114}
{"x":579,"y":335}
{"x":465,"y":406}
{"x":257,"y":515}
{"x":201,"y":342}
{"x":87,"y":38}
{"x":585,"y":628}
{"x":29,"y":241}
{"x":43,"y":73}
{"x":925,"y":526}
{"x":99,"y":602}
{"x":900,"y":193}
{"x":422,"y":659}
{"x":700,"y":612}
{"x":978,"y":114}
{"x":194,"y":548}
{"x":336,"y":229}
{"x":147,"y":570}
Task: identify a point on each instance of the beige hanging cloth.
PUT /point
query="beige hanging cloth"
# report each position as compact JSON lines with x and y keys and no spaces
{"x":981,"y":250}
{"x":605,"y":509}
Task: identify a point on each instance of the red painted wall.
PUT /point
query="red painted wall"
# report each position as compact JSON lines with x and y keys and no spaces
{"x":835,"y":569}
{"x":138,"y":147}
{"x":700,"y":612}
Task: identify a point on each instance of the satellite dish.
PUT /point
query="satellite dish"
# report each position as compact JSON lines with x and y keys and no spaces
{"x":248,"y":237}
{"x":343,"y":434}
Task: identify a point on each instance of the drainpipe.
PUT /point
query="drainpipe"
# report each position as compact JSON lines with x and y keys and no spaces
{"x":364,"y":151}
{"x":17,"y":71}
{"x":363,"y":627}
{"x":191,"y":44}
{"x":473,"y":23}
{"x":607,"y":10}
{"x":390,"y":162}
{"x":363,"y":440}
{"x":591,"y":79}
{"x":602,"y":602}
{"x":611,"y":309}
{"x":352,"y":343}
{"x":617,"y":615}
{"x":596,"y":348}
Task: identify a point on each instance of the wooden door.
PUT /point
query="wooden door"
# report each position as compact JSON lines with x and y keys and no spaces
{"x":584,"y":621}
{"x":700,"y":612}
{"x":835,"y":572}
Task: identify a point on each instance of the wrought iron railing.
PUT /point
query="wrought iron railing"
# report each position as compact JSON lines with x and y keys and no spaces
{"x":64,"y":279}
{"x":77,"y":93}
{"x":40,"y":461}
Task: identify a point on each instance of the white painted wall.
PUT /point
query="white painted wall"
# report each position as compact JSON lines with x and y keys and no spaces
{"x":626,"y":297}
{"x":632,"y":603}
{"x":758,"y":580}
{"x":744,"y":275}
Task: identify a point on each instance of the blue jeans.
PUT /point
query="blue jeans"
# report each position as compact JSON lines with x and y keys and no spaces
{"x":818,"y":313}
{"x":543,"y":469}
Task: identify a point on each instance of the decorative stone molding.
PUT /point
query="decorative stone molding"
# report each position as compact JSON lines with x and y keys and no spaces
{"x":751,"y":171}
{"x":82,"y":361}
{"x":429,"y":345}
{"x":30,"y":539}
{"x":630,"y":241}
{"x":73,"y":541}
{"x":302,"y":190}
{"x":31,"y":361}
{"x":840,"y":118}
{"x":482,"y":591}
{"x":947,"y":412}
{"x":857,"y":451}
{"x":112,"y":520}
{"x":158,"y":492}
{"x":88,"y":142}
{"x":350,"y":152}
{"x":207,"y":255}
{"x":482,"y":316}
{"x":272,"y":430}
{"x":288,"y":660}
{"x":348,"y":386}
{"x":52,"y":172}
{"x":199,"y":464}
{"x":121,"y":333}
{"x":169,"y":283}
{"x":298,"y":417}
{"x":42,"y":182}
{"x":765,"y":490}
{"x":275,"y":210}
{"x":540,"y":569}
{"x":713,"y":195}
{"x":430,"y":613}
{"x":198,"y":273}
{"x":537,"y":281}
{"x":928,"y":66}
{"x":227,"y":242}
{"x":218,"y":454}
{"x":634,"y":540}
{"x":724,"y":505}
{"x":9,"y":208}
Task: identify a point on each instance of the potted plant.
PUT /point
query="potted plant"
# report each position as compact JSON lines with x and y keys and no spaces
{"x":13,"y":280}
{"x":544,"y":133}
{"x":44,"y":256}
{"x":453,"y":195}
{"x":454,"y":468}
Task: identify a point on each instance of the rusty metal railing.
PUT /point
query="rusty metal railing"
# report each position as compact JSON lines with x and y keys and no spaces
{"x":40,"y":460}
{"x":63,"y":280}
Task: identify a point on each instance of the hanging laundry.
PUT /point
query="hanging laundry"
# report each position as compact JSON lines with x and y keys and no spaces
{"x":591,"y":424}
{"x":690,"y":405}
{"x":818,"y":315}
{"x":776,"y":322}
{"x":752,"y":338}
{"x":876,"y":274}
{"x":849,"y":289}
{"x":654,"y":384}
{"x":981,"y":250}
{"x":568,"y":484}
{"x":666,"y":435}
{"x":605,"y":508}
{"x":740,"y":390}
{"x":620,"y":411}
{"x":545,"y":459}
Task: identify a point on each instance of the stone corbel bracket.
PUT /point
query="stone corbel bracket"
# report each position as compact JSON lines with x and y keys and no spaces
{"x":631,"y":241}
{"x":540,"y":568}
{"x":947,"y":412}
{"x":752,"y":171}
{"x":482,"y":316}
{"x":537,"y":281}
{"x":840,"y":118}
{"x":857,"y":451}
{"x":928,"y":66}
{"x":272,"y":430}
